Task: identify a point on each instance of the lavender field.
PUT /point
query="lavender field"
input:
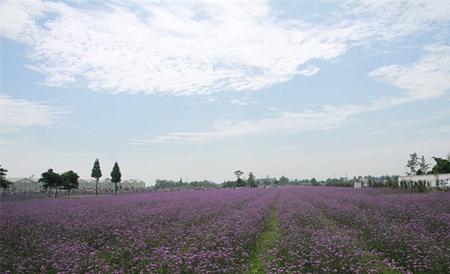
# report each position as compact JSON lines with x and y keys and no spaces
{"x":278,"y":230}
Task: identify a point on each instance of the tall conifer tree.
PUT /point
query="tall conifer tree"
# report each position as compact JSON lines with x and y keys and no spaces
{"x":97,"y":174}
{"x":115,"y":176}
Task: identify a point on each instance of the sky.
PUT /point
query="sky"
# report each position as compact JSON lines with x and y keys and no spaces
{"x":199,"y":89}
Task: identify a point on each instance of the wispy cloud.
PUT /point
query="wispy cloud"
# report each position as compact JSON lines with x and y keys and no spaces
{"x":244,"y":101}
{"x":390,"y":19}
{"x":19,"y":18}
{"x":309,"y":71}
{"x":17,"y":114}
{"x":195,"y":47}
{"x":427,"y":78}
{"x":328,"y":118}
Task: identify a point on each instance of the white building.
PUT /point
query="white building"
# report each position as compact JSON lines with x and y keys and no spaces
{"x":132,"y":185}
{"x":23,"y":185}
{"x":432,"y":181}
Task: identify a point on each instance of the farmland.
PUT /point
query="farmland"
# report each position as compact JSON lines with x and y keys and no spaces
{"x":276,"y":230}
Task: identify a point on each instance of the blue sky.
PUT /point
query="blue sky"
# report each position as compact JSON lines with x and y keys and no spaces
{"x":199,"y":89}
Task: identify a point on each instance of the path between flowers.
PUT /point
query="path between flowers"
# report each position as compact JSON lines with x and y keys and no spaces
{"x":268,"y":236}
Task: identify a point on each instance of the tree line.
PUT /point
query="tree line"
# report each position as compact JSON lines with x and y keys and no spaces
{"x":175,"y":185}
{"x":418,"y":166}
{"x":68,"y":180}
{"x":252,"y":182}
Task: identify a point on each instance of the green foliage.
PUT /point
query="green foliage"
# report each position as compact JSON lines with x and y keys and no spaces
{"x":238,"y":173}
{"x":115,"y":176}
{"x":283,"y":180}
{"x":412,"y":164}
{"x":172,"y":185}
{"x":442,"y":166}
{"x":299,"y":182}
{"x":340,"y":182}
{"x":251,"y":181}
{"x":96,"y":173}
{"x":314,"y":182}
{"x":3,"y":182}
{"x":69,"y":180}
{"x":269,"y":235}
{"x":229,"y":184}
{"x":202,"y":184}
{"x":423,"y":166}
{"x":240,"y":182}
{"x":51,"y":179}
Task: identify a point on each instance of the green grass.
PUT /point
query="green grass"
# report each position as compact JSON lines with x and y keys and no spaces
{"x":268,"y":236}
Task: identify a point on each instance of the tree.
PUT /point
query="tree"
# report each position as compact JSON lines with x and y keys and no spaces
{"x":97,"y":174}
{"x":251,"y":181}
{"x":423,"y":166}
{"x":51,"y":179}
{"x":314,"y":182}
{"x":229,"y":184}
{"x":70,"y":181}
{"x":3,"y":182}
{"x":116,"y":176}
{"x":412,"y":164}
{"x":239,"y":181}
{"x":441,"y":166}
{"x":238,"y":173}
{"x":283,"y":180}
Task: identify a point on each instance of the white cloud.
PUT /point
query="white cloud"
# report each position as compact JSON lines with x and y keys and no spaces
{"x":244,"y":101}
{"x":328,"y":118}
{"x":309,"y":71}
{"x":17,"y":114}
{"x":197,"y":47}
{"x":427,"y":78}
{"x":18,"y":17}
{"x":390,"y":19}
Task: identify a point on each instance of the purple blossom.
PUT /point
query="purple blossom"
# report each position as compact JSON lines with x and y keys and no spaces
{"x":319,"y":230}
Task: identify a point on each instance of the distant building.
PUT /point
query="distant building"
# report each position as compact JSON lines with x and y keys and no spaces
{"x":266,"y":181}
{"x":132,"y":185}
{"x":430,"y":181}
{"x":86,"y":185}
{"x":23,"y":185}
{"x":360,"y":184}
